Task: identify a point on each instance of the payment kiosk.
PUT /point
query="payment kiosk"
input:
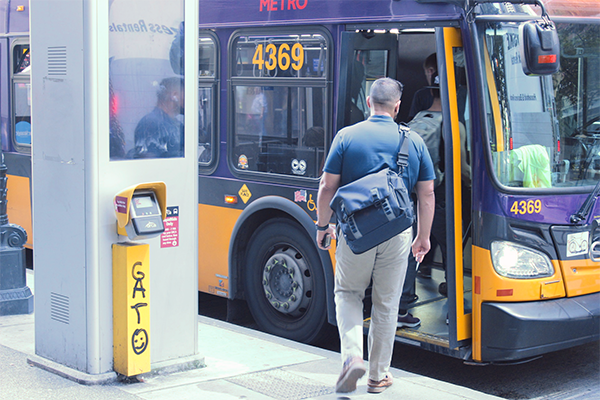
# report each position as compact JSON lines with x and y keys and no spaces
{"x":115,"y":265}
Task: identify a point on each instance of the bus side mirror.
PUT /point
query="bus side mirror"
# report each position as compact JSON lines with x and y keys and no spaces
{"x":540,"y":47}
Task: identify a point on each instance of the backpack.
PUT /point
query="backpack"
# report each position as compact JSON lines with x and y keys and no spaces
{"x":376,"y":207}
{"x":428,"y":125}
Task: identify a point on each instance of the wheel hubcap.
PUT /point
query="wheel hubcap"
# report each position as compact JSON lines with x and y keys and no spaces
{"x":285,"y":283}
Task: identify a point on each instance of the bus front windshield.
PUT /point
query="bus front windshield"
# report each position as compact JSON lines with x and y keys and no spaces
{"x":544,"y":131}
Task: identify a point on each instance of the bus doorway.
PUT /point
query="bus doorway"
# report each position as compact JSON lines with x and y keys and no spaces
{"x":399,"y":53}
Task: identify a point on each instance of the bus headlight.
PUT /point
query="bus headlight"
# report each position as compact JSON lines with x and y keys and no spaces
{"x":515,"y":261}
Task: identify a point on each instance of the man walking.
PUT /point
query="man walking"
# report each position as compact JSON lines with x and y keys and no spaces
{"x":357,"y":151}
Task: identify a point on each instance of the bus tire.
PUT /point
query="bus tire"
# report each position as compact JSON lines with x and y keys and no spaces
{"x":284,"y":282}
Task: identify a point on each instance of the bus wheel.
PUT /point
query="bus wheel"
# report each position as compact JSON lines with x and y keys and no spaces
{"x":284,"y":282}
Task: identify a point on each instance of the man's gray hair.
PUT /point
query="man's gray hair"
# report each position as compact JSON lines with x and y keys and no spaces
{"x":386,"y":91}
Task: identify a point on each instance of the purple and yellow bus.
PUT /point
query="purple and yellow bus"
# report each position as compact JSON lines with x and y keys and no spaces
{"x":15,"y":109}
{"x":278,"y":79}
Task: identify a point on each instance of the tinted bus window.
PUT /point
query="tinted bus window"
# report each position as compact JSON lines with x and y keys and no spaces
{"x":207,"y":98}
{"x":279,"y":85}
{"x":21,"y":96}
{"x":545,"y":128}
{"x":146,"y":85}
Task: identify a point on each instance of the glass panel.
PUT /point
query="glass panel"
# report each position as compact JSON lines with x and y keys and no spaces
{"x":205,"y":125}
{"x":207,"y":135}
{"x":577,"y":91}
{"x":465,"y":154}
{"x":366,"y":67}
{"x":279,"y":129}
{"x":21,"y":60}
{"x":22,"y":107}
{"x":146,"y":88}
{"x":206,"y":57}
{"x":280,"y":56}
{"x":549,"y":130}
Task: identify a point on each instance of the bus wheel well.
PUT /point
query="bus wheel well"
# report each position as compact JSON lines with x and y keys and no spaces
{"x":240,"y":246}
{"x":284,"y":282}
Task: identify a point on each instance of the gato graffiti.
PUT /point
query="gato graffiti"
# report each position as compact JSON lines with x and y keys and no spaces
{"x":139,"y":339}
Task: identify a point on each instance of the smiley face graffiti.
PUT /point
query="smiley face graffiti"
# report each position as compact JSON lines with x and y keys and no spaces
{"x":139,"y":341}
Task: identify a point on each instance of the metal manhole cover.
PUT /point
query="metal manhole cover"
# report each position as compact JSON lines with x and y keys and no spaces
{"x":281,"y":385}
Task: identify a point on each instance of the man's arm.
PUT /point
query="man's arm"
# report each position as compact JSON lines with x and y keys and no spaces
{"x":425,"y":211}
{"x":327,"y":187}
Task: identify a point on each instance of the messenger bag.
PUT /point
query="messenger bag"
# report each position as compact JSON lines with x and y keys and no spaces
{"x":376,"y":207}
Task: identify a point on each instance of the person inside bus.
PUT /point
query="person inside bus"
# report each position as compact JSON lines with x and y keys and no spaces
{"x":423,"y":99}
{"x":159,"y":134}
{"x":356,"y":151}
{"x":433,"y":117}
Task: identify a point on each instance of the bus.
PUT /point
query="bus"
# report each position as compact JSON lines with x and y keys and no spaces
{"x":278,"y":78}
{"x":15,"y":110}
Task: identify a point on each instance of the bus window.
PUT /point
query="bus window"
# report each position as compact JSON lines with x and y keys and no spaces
{"x":21,"y":96}
{"x":279,"y":92}
{"x":207,"y":98}
{"x":21,"y":59}
{"x":546,"y":128}
{"x":367,"y":66}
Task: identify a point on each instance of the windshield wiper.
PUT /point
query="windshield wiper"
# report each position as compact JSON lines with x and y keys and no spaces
{"x":586,"y":206}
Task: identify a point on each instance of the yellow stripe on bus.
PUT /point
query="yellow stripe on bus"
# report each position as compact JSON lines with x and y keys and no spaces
{"x":215,"y":226}
{"x":18,"y":203}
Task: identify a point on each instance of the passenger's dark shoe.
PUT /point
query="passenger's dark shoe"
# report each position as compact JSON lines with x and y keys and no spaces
{"x":408,"y":321}
{"x":443,"y":289}
{"x":379,"y":386}
{"x":353,"y":369}
{"x":424,"y":271}
{"x":413,"y":298}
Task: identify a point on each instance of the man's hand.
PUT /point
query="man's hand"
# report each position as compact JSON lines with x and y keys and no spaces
{"x":321,"y":237}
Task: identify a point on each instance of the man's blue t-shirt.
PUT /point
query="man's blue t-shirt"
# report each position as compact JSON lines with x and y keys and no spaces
{"x":372,"y":145}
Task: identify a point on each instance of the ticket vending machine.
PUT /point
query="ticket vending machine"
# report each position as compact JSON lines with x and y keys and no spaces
{"x":109,"y":90}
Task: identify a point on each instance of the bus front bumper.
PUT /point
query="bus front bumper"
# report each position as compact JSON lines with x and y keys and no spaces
{"x":516,"y":331}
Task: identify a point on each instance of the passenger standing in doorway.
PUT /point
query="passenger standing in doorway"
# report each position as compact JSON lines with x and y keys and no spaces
{"x":159,"y":134}
{"x":422,"y":100}
{"x":357,"y":151}
{"x":428,"y":124}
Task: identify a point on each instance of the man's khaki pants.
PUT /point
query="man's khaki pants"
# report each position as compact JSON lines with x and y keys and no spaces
{"x":386,"y":265}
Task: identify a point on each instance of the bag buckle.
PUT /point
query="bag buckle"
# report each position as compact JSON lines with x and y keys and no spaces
{"x":376,"y":198}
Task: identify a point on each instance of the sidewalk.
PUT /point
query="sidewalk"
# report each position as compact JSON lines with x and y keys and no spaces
{"x":240,"y":364}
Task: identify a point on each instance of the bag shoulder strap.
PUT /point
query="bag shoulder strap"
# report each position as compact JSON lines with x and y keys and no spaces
{"x":402,"y":159}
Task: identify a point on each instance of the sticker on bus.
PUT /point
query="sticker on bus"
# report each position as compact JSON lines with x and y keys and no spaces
{"x":577,"y":243}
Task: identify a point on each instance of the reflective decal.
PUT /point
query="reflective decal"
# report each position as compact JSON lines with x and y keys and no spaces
{"x":300,"y":196}
{"x":243,"y":162}
{"x":245,"y":193}
{"x":577,"y":243}
{"x":298,"y":167}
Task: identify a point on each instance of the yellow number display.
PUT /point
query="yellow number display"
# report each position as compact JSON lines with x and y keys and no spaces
{"x":526,"y":207}
{"x":284,"y":57}
{"x":271,"y":50}
{"x":281,"y":57}
{"x":258,"y":56}
{"x":297,"y":56}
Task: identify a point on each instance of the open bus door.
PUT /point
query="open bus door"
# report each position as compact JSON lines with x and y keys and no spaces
{"x":367,"y":55}
{"x":454,"y":96}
